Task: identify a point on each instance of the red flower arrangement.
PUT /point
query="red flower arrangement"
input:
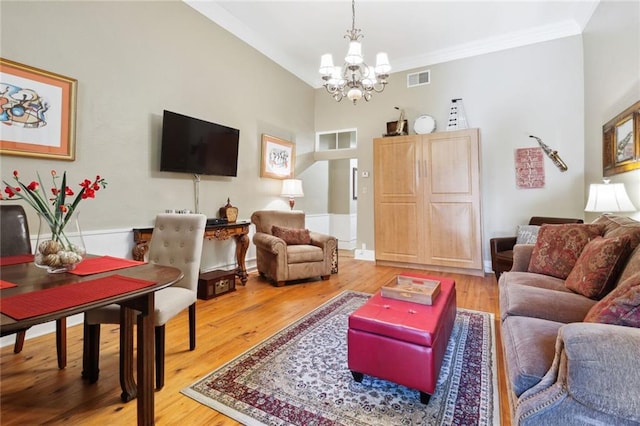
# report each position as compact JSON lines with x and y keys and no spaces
{"x":56,"y":209}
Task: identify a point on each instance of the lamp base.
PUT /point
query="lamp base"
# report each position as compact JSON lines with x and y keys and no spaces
{"x":292,"y":202}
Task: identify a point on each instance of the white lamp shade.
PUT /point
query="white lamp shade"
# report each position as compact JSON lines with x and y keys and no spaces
{"x":292,"y":188}
{"x":354,"y":54}
{"x":608,"y":198}
{"x":326,"y":64}
{"x":370,"y":79}
{"x":382,"y":63}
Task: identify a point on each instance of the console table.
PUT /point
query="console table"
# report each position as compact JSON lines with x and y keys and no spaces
{"x":236,"y":230}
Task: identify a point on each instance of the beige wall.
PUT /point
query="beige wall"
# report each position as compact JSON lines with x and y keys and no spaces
{"x":509,"y":95}
{"x":134,"y":59}
{"x":612,"y":84}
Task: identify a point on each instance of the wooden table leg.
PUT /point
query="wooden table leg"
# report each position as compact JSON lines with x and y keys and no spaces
{"x":61,"y":342}
{"x":242,"y":245}
{"x":127,"y":382}
{"x":145,"y":362}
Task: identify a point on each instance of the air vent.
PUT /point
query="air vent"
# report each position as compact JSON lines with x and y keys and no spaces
{"x":419,"y":78}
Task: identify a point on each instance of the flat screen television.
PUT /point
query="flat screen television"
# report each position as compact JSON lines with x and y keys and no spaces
{"x":191,"y":145}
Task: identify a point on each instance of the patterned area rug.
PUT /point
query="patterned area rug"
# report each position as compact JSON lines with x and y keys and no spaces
{"x":299,"y":376}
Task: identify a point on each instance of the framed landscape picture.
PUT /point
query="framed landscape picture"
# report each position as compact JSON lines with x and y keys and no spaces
{"x":621,"y":142}
{"x":37,"y":112}
{"x":278,"y":158}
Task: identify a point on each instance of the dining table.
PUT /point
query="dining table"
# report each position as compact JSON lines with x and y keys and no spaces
{"x":29,"y":295}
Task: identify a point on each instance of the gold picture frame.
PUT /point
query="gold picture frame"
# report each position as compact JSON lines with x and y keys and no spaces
{"x":621,"y":142}
{"x":38,"y":112}
{"x":278,"y":158}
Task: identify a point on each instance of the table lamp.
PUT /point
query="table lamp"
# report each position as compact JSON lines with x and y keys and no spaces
{"x":292,"y":188}
{"x":608,"y":198}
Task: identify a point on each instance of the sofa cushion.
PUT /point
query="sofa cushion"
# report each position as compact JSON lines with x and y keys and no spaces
{"x":527,"y":234}
{"x":616,"y":226}
{"x":552,"y":305}
{"x":558,"y":247}
{"x":293,"y":236}
{"x":534,"y":280}
{"x":621,"y":306}
{"x":598,"y":266}
{"x":529,"y":348}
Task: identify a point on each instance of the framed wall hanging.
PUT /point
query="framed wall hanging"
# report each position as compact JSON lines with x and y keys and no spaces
{"x":278,"y":158}
{"x":621,"y":142}
{"x":37,"y":112}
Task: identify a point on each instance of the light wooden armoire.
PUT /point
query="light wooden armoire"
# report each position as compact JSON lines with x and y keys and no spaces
{"x":427,"y":201}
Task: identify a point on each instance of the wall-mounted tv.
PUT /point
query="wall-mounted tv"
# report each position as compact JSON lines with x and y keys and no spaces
{"x":191,"y":145}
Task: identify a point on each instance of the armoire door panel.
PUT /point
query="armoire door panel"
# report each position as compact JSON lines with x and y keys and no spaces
{"x":450,"y":166}
{"x":399,"y":160}
{"x":452,"y":232}
{"x":396,"y":237}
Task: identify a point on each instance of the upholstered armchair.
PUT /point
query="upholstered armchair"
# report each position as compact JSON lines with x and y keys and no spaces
{"x":287,"y":251}
{"x":502,"y":247}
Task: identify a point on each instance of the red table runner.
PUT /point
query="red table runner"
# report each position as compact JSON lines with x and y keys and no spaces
{"x":27,"y":305}
{"x":14,"y":260}
{"x":95,"y":265}
{"x":6,"y":284}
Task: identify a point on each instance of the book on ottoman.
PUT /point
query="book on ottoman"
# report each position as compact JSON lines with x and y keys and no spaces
{"x":412,"y":289}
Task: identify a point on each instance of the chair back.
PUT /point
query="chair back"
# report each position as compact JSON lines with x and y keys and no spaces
{"x":14,"y":231}
{"x":541,"y":220}
{"x":265,"y":219}
{"x":177,"y":241}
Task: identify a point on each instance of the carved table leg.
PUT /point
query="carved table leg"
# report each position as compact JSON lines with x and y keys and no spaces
{"x":242,"y":245}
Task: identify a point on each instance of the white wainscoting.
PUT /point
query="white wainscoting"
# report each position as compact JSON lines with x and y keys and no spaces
{"x":342,"y":226}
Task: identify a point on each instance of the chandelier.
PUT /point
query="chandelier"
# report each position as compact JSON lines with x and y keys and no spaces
{"x":355,"y":79}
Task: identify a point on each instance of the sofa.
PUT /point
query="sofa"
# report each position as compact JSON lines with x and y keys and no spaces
{"x":570,"y":325}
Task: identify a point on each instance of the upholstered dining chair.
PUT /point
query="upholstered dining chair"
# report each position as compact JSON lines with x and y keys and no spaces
{"x":286,"y":251}
{"x":14,"y":240}
{"x":176,"y":241}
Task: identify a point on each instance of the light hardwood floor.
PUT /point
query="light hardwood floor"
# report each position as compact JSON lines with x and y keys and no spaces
{"x":34,"y":391}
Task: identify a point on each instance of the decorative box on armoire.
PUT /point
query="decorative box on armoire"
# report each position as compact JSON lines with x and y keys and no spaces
{"x":215,"y":283}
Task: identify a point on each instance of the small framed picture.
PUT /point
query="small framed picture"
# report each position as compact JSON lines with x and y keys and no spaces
{"x":37,"y":112}
{"x":621,"y":142}
{"x":278,"y":158}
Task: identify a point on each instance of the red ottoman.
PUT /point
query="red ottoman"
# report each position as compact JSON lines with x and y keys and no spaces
{"x":402,"y":342}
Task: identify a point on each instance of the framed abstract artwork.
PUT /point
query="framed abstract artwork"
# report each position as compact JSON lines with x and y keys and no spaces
{"x":621,"y":142}
{"x":37,"y":112}
{"x":278,"y":158}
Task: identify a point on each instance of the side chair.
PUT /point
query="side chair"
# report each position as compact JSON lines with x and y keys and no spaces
{"x":14,"y":240}
{"x":176,"y":241}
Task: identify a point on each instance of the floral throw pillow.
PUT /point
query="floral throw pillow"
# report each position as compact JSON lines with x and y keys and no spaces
{"x":598,"y":266}
{"x":291,"y":236}
{"x":558,"y":247}
{"x":621,"y":306}
{"x":527,"y":234}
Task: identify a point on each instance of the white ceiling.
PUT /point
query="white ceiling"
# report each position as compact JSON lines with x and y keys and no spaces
{"x":414,"y":33}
